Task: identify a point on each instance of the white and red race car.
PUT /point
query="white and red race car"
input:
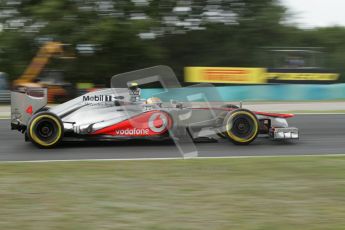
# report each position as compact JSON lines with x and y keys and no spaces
{"x":120,"y":113}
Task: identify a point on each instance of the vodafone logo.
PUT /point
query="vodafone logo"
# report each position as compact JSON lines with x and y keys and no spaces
{"x":132,"y":132}
{"x":158,"y":122}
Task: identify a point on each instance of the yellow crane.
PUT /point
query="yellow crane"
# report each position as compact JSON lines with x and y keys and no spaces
{"x":29,"y":77}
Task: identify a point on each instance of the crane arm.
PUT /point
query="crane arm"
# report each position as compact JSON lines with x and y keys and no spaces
{"x":37,"y":64}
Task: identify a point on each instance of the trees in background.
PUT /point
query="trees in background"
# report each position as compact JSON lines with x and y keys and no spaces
{"x":115,"y":36}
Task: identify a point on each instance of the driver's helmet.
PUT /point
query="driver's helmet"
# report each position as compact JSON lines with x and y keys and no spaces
{"x":133,"y":86}
{"x":153,"y":100}
{"x":134,"y":91}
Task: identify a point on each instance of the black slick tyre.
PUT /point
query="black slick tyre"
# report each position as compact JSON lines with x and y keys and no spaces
{"x":242,"y":126}
{"x":45,"y":129}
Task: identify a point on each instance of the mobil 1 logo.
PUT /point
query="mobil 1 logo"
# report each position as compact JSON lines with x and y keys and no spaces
{"x":98,"y":99}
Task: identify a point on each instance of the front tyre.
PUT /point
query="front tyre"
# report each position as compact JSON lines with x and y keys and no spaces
{"x":45,"y":130}
{"x":242,"y":126}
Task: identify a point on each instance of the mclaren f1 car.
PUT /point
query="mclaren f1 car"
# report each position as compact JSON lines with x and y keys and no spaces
{"x":121,"y":113}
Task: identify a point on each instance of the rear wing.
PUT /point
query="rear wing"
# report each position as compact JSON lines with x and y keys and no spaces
{"x":24,"y":103}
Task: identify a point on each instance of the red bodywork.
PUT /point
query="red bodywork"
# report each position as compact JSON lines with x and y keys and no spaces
{"x":146,"y":124}
{"x":279,"y":115}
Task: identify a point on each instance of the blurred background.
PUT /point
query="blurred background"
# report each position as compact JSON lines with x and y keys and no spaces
{"x":73,"y":46}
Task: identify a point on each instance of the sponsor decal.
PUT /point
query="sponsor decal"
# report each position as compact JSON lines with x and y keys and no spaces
{"x":158,"y":122}
{"x":98,"y":98}
{"x":303,"y":76}
{"x":225,"y":75}
{"x":233,"y":75}
{"x":131,"y":132}
{"x":150,"y":123}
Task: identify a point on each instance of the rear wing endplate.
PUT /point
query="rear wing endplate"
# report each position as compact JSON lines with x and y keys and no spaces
{"x":24,"y":103}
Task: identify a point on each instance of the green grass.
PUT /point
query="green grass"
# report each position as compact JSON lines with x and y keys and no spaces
{"x":254,"y":193}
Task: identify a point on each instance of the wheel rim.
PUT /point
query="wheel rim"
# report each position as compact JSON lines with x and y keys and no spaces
{"x":45,"y":130}
{"x":242,"y":127}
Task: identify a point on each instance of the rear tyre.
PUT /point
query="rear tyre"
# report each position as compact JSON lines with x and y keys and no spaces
{"x":242,"y":126}
{"x":45,"y":130}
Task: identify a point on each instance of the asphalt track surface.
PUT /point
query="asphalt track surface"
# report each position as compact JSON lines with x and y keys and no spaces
{"x":319,"y":134}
